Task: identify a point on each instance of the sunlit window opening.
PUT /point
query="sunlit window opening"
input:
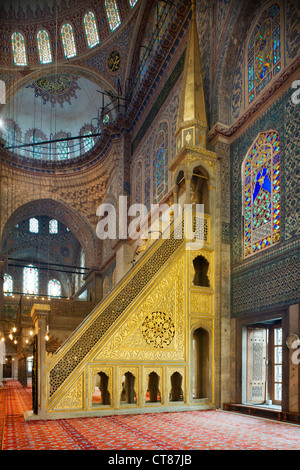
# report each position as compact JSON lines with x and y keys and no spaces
{"x":112,"y":14}
{"x":18,"y":46}
{"x":7,"y":284}
{"x":30,"y":280}
{"x":44,"y":47}
{"x":91,"y":29}
{"x":33,"y":225}
{"x":54,"y":288}
{"x":68,"y":41}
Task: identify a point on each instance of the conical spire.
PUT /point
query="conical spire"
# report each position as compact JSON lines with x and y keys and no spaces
{"x":191,"y":121}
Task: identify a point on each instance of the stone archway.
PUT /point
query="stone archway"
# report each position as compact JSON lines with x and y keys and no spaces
{"x":66,"y":215}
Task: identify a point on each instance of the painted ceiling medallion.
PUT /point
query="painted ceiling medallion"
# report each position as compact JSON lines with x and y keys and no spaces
{"x":158,"y":329}
{"x":114,"y":61}
{"x":56,"y":89}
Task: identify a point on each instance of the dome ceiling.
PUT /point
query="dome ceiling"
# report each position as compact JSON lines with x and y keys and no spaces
{"x":55,"y":108}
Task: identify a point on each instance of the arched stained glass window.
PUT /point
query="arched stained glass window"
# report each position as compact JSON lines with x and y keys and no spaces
{"x":68,"y":41}
{"x":44,"y":47}
{"x":160,"y":163}
{"x":54,"y":288}
{"x":33,"y":225}
{"x":88,"y":142}
{"x":264,"y":51}
{"x":7,"y":284}
{"x":112,"y":14}
{"x":18,"y":46}
{"x":261,"y":172}
{"x":53,"y":226}
{"x":30,"y":280}
{"x":133,"y":3}
{"x":91,"y":29}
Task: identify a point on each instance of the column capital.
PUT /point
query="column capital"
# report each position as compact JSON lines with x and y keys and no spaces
{"x":39,"y":311}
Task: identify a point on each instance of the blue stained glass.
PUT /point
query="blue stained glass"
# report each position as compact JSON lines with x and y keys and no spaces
{"x":88,"y":142}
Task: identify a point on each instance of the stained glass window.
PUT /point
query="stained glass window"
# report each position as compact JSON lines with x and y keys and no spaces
{"x":112,"y":14}
{"x":44,"y":47}
{"x":262,"y":193}
{"x":133,"y":3}
{"x":30,"y":280}
{"x":160,"y":163}
{"x":264,"y":51}
{"x":68,"y":41}
{"x":33,"y":225}
{"x":88,"y":142}
{"x":18,"y":46}
{"x":53,"y":226}
{"x":54,"y":288}
{"x":91,"y":29}
{"x":62,"y":150}
{"x":7,"y":284}
{"x":36,"y":151}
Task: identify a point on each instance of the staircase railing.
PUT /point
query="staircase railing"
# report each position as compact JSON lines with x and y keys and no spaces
{"x":96,"y":325}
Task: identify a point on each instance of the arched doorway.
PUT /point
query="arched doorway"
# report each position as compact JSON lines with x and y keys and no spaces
{"x":200,"y":375}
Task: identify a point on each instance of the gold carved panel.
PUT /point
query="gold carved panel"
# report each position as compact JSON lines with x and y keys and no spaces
{"x":154,"y":329}
{"x":72,"y":399}
{"x":201,"y":303}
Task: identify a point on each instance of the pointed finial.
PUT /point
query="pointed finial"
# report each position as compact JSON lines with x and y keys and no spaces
{"x":192,"y":121}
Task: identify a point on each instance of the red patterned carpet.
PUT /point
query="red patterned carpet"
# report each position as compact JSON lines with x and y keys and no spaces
{"x":192,"y":430}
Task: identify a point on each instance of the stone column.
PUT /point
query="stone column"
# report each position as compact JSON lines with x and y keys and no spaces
{"x":40,"y":315}
{"x":294,"y":328}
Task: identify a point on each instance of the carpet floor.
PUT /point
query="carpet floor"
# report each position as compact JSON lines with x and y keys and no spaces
{"x":191,"y":430}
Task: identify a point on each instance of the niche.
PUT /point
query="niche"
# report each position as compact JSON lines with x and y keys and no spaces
{"x":128,"y":394}
{"x":180,"y":183}
{"x":101,"y":394}
{"x":176,"y":393}
{"x":201,"y":266}
{"x":201,"y":363}
{"x":153,"y":393}
{"x":199,"y":188}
